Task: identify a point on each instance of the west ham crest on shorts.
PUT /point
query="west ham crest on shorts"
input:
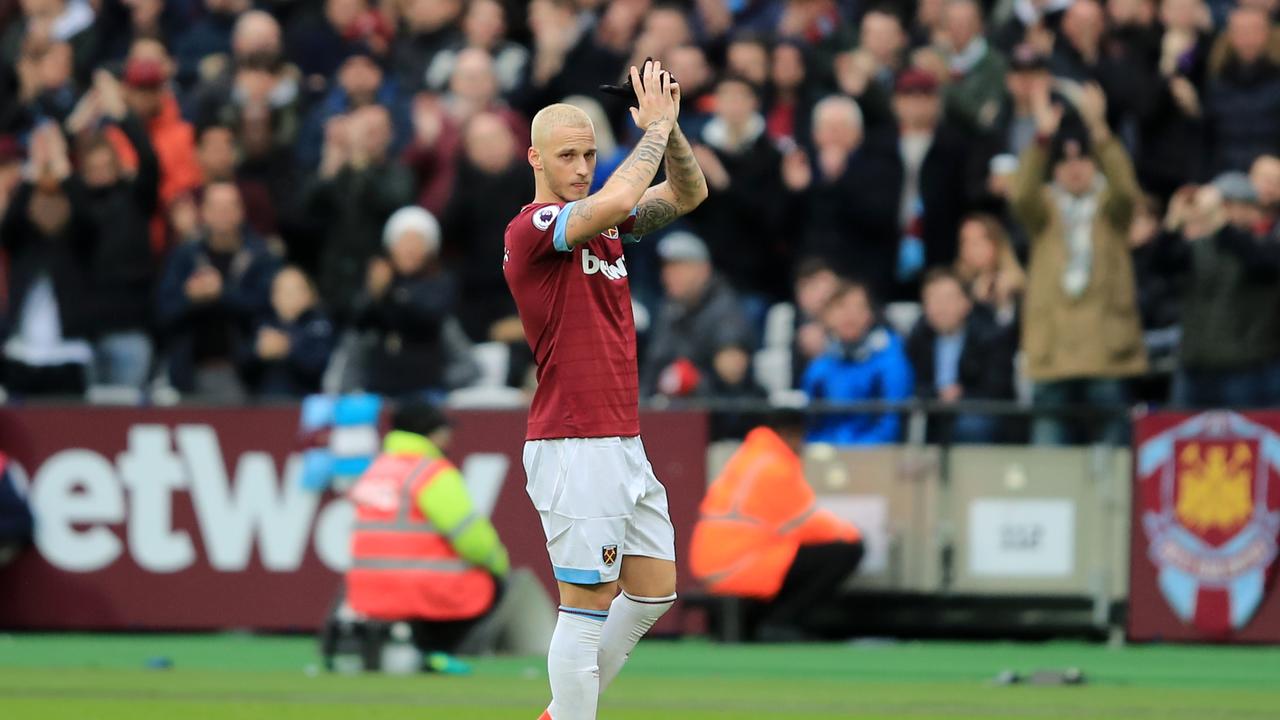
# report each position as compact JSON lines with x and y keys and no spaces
{"x":1209,"y":491}
{"x":609,"y":554}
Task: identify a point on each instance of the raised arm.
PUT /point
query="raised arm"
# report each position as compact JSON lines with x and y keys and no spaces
{"x":684,"y":189}
{"x":626,"y":187}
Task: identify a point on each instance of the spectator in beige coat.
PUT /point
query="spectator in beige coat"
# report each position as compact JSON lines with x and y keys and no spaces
{"x":1081,"y":336}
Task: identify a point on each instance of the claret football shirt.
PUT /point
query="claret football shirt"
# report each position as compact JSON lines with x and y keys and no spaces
{"x":575,"y":305}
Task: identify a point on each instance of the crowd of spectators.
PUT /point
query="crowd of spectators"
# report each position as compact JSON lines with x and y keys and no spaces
{"x":229,"y":197}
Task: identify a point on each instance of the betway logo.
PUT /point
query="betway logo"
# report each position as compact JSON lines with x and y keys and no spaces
{"x":592,"y":265}
{"x":77,"y":494}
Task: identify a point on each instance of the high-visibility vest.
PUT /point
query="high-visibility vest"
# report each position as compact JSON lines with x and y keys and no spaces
{"x":401,"y":566}
{"x":755,"y":517}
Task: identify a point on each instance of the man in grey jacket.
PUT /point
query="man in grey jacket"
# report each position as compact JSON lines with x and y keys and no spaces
{"x":700,"y":317}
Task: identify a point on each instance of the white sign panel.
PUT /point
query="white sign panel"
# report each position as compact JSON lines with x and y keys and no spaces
{"x":870,"y":514}
{"x":1022,"y":538}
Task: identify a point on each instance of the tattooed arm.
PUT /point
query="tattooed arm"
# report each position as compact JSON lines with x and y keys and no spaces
{"x":613,"y":203}
{"x":626,"y":187}
{"x":684,"y":189}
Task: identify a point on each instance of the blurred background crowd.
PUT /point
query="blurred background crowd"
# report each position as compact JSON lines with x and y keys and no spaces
{"x":1058,"y":201}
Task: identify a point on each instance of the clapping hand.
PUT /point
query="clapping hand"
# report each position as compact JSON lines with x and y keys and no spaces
{"x":272,"y":344}
{"x":656,"y":96}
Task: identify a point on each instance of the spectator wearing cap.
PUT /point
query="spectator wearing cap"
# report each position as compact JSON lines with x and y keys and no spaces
{"x":846,"y":198}
{"x":492,"y":186}
{"x":1231,"y":294}
{"x":971,"y":101}
{"x":485,"y":26}
{"x":741,"y":220}
{"x":407,"y":301}
{"x":933,"y":169}
{"x":146,"y":77}
{"x":211,"y":293}
{"x":700,"y":317}
{"x":958,"y":352}
{"x":1081,"y":335}
{"x":1242,"y":99}
{"x":864,"y":360}
{"x":361,"y":82}
{"x":355,"y":190}
{"x":290,"y":347}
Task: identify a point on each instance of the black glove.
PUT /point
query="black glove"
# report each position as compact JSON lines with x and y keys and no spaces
{"x":626,"y":90}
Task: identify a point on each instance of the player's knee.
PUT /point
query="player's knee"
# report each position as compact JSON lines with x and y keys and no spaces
{"x":588,"y":597}
{"x":648,"y":577}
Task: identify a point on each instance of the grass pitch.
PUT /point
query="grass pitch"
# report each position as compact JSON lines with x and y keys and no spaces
{"x":230,"y":677}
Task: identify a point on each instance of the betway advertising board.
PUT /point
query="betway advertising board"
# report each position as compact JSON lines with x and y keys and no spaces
{"x":184,"y":518}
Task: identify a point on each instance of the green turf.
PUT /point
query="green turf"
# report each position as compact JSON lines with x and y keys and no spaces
{"x":225,"y":677}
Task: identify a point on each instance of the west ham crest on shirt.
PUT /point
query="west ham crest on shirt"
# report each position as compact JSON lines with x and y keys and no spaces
{"x":543,"y":217}
{"x":1209,"y":492}
{"x":609,"y":554}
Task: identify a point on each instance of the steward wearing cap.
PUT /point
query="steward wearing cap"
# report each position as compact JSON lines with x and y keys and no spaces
{"x":761,"y":535}
{"x":420,"y":551}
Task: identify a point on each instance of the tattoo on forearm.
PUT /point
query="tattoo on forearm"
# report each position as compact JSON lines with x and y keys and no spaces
{"x":642,"y":164}
{"x":653,"y":214}
{"x":683,"y":173}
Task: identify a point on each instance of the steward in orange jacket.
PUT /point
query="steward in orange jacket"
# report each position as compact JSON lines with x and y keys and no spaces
{"x":761,"y":535}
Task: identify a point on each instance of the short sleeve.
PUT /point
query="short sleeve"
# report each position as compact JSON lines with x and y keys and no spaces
{"x":540,"y":233}
{"x":627,"y":225}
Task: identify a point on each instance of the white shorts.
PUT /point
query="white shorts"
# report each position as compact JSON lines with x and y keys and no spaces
{"x":598,"y":500}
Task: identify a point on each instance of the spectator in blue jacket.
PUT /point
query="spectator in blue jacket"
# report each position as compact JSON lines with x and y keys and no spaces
{"x":863,"y":361}
{"x":210,"y":294}
{"x":292,"y":344}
